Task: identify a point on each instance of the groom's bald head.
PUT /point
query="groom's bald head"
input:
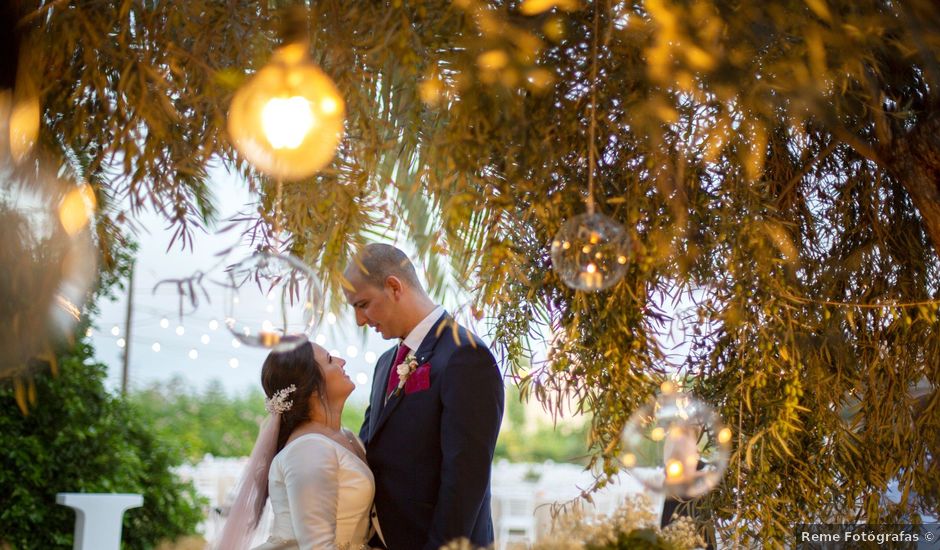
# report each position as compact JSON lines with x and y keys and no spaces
{"x":376,"y":262}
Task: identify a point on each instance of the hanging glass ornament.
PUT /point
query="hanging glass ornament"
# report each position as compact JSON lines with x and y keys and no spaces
{"x":287,"y":120}
{"x":676,"y":445}
{"x":48,"y":260}
{"x":272,"y":301}
{"x":590,"y":252}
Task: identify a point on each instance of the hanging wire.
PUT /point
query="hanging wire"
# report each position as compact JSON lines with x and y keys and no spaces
{"x":591,"y":128}
{"x":737,"y":496}
{"x":278,"y":198}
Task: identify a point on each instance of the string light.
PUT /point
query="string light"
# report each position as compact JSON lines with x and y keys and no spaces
{"x":180,"y":330}
{"x":331,"y":318}
{"x":164,"y":323}
{"x":321,"y":339}
{"x":233,"y":363}
{"x":121,"y":342}
{"x":115,"y":330}
{"x":204,"y":339}
{"x":352,"y":351}
{"x":236,"y":343}
{"x":193,"y":354}
{"x":155,"y":347}
{"x":369,"y":357}
{"x":213,"y":324}
{"x":362,"y":379}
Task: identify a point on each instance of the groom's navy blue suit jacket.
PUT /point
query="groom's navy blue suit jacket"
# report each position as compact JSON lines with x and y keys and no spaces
{"x":431,"y":450}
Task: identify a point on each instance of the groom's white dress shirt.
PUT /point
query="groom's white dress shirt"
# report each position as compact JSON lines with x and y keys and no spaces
{"x":421,"y":330}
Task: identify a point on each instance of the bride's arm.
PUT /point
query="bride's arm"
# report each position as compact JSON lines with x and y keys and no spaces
{"x":310,"y":468}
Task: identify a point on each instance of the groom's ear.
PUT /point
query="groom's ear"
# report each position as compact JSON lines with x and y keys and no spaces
{"x":394,"y":285}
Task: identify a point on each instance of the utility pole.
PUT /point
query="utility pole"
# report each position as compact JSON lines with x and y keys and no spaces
{"x":127,"y":330}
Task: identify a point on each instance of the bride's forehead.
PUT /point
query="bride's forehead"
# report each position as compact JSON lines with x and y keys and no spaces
{"x":319,"y":352}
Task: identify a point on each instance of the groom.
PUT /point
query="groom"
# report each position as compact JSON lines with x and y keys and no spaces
{"x":430,"y":432}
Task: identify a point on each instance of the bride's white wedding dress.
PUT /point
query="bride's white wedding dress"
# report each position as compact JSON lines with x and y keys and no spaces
{"x":321,"y":496}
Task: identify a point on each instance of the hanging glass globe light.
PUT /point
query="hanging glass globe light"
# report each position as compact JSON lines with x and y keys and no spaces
{"x":272,"y":301}
{"x":48,"y":259}
{"x":676,"y":445}
{"x":287,"y":120}
{"x":590,"y":252}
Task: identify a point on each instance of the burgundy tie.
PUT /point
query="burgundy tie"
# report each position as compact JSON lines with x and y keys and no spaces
{"x":393,"y":376}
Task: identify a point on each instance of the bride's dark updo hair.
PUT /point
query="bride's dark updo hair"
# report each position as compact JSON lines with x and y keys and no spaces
{"x":300,"y":368}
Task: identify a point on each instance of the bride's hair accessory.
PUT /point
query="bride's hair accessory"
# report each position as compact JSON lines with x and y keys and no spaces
{"x":278,"y":403}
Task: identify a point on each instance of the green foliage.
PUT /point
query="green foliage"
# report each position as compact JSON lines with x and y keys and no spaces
{"x":200,"y":422}
{"x":210,"y":421}
{"x":79,"y":438}
{"x":774,"y":164}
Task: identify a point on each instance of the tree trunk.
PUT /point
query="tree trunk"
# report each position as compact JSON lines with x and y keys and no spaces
{"x":915,"y":160}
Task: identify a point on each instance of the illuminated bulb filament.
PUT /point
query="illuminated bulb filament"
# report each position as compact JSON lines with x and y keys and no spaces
{"x":286,"y":121}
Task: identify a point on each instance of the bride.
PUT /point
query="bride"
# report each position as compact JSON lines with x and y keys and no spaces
{"x":314,"y":470}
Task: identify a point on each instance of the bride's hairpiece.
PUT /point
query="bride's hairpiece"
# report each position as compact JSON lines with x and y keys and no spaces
{"x":278,"y":403}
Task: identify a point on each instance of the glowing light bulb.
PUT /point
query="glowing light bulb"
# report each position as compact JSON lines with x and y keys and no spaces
{"x":204,"y":339}
{"x":76,"y":209}
{"x":352,"y":351}
{"x":121,"y":342}
{"x":25,"y":116}
{"x":362,"y":379}
{"x":193,"y":354}
{"x":287,"y":120}
{"x":657,"y":434}
{"x":213,"y":324}
{"x":233,"y":363}
{"x":155,"y":346}
{"x":724,"y":436}
{"x":115,"y":330}
{"x":164,"y":323}
{"x":180,"y":330}
{"x":369,"y":357}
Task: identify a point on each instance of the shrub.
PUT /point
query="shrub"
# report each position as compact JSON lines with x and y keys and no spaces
{"x":79,"y":438}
